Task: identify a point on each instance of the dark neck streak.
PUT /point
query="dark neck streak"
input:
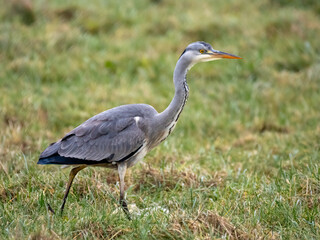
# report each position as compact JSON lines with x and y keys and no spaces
{"x":185,"y":99}
{"x":182,"y":106}
{"x":165,"y":121}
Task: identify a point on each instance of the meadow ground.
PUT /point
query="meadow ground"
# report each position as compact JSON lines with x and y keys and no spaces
{"x":243,"y":161}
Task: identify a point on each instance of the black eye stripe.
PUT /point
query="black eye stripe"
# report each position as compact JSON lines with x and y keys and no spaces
{"x":183,"y":53}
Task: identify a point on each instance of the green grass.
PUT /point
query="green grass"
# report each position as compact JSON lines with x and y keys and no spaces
{"x":243,"y":162}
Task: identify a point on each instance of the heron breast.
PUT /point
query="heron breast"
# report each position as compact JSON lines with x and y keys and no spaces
{"x":137,"y":157}
{"x":168,"y":130}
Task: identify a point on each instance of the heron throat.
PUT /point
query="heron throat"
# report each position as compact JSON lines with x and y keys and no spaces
{"x":168,"y":118}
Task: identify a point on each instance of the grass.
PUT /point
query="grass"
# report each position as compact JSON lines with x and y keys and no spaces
{"x":243,"y":162}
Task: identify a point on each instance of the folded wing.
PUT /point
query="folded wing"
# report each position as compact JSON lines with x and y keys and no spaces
{"x":97,"y":140}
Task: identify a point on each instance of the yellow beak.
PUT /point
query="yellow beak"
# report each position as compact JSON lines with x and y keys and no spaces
{"x":219,"y":54}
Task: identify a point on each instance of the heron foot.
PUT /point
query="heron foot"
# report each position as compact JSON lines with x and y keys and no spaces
{"x":124,"y":206}
{"x":50,"y":209}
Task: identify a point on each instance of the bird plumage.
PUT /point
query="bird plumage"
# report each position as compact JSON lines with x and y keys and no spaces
{"x":109,"y":137}
{"x":120,"y":137}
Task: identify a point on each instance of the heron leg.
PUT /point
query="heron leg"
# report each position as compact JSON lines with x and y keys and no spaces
{"x":122,"y":167}
{"x":72,"y":175}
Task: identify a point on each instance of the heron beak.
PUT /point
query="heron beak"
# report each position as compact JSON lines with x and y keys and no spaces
{"x":219,"y":55}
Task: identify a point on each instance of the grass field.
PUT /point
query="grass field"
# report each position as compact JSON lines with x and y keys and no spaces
{"x":243,"y":161}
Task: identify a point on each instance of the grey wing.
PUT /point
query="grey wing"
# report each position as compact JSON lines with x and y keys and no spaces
{"x":97,"y":140}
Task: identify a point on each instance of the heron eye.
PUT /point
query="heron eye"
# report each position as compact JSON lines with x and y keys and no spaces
{"x":202,"y":51}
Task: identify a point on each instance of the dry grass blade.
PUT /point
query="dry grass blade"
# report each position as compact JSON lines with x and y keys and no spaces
{"x":205,"y":224}
{"x":169,"y":178}
{"x":222,"y":226}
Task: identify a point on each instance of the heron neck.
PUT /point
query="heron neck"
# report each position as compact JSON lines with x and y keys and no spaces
{"x":172,"y":112}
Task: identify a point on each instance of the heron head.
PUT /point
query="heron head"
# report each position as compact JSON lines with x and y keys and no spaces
{"x":203,"y":52}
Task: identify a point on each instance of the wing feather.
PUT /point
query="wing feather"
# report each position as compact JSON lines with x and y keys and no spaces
{"x":110,"y":136}
{"x":98,"y":140}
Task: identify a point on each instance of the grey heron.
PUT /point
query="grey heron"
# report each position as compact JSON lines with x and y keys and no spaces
{"x":119,"y":137}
